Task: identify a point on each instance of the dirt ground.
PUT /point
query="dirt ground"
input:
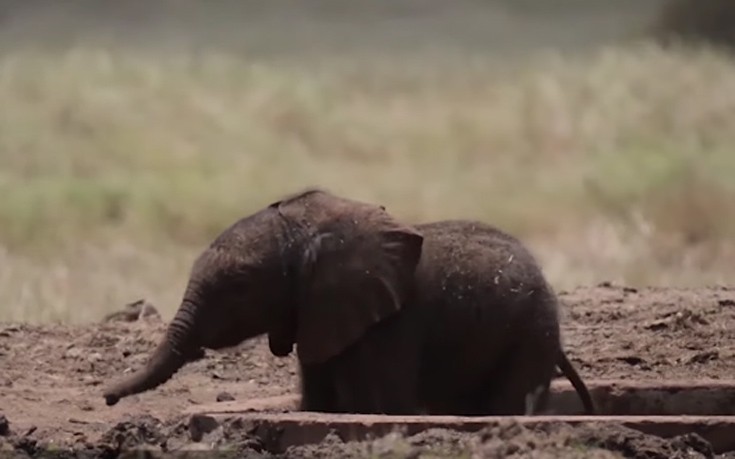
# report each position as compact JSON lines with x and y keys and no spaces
{"x":52,"y":377}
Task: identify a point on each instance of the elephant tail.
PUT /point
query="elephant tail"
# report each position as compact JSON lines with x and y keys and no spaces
{"x":568,"y":370}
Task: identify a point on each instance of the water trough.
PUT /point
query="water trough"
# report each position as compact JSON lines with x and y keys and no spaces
{"x":662,"y":408}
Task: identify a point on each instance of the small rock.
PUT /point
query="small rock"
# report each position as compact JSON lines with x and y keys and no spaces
{"x":4,"y":425}
{"x":86,"y":406}
{"x":687,"y":319}
{"x":7,"y":331}
{"x":657,"y":325}
{"x":7,"y":447}
{"x":74,"y":353}
{"x":133,"y":312}
{"x":91,"y":381}
{"x":694,"y":441}
{"x":726,"y":302}
{"x":200,"y":424}
{"x":632,"y":359}
{"x":704,"y":357}
{"x":225,"y":397}
{"x":77,"y":421}
{"x":681,"y":320}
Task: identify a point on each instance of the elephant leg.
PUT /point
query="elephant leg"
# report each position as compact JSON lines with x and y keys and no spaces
{"x":522,"y":384}
{"x":379,"y":373}
{"x":317,"y":388}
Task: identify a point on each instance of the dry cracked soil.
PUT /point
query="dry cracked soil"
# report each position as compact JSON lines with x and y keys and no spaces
{"x":52,"y":377}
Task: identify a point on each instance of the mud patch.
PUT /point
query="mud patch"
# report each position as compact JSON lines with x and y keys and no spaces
{"x":512,"y":440}
{"x":52,"y":378}
{"x":634,"y":444}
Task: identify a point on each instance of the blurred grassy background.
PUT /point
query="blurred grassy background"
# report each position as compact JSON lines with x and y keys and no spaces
{"x":131,"y":133}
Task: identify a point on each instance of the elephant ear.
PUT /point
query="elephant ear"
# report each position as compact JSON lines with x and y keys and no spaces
{"x":354,"y":273}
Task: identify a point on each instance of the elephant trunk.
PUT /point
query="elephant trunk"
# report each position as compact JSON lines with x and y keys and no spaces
{"x":172,"y":353}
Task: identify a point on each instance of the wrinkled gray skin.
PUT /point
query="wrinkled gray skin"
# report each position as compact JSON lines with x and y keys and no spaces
{"x":449,"y":317}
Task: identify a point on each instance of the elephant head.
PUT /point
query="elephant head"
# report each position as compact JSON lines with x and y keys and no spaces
{"x":313,"y":270}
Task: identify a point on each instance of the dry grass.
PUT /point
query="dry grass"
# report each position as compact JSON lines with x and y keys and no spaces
{"x":117,"y":167}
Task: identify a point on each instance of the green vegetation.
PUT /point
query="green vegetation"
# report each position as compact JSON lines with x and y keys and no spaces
{"x":118,"y":166}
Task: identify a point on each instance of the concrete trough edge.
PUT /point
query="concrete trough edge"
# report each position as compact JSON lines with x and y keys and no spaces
{"x":282,"y":430}
{"x":651,"y":398}
{"x":612,"y":397}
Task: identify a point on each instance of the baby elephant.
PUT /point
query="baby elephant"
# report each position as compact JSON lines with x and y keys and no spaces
{"x":451,"y":317}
